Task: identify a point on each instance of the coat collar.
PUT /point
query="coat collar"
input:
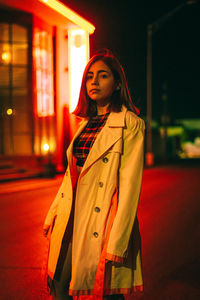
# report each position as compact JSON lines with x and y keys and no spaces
{"x":110,"y":134}
{"x":117,"y":119}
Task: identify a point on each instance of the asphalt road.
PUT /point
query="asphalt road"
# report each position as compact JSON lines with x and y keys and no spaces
{"x":169,"y":223}
{"x":170,"y":227}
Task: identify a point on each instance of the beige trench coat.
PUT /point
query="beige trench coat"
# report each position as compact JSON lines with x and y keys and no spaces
{"x":113,"y":167}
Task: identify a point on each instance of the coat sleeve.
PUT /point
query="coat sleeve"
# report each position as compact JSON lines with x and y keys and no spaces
{"x":52,"y":211}
{"x":130,"y":179}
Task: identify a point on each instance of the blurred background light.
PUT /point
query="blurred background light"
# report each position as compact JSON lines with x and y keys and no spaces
{"x":45,"y":147}
{"x":78,"y":58}
{"x":9,"y":111}
{"x":6,"y":58}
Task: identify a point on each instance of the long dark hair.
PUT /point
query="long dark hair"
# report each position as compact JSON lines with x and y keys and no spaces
{"x":121,"y":96}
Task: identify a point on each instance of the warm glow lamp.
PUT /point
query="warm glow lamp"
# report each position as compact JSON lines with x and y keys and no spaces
{"x":6,"y":57}
{"x":46,"y":147}
{"x":9,"y":111}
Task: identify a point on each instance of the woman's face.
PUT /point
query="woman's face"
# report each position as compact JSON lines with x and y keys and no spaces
{"x":100,"y":83}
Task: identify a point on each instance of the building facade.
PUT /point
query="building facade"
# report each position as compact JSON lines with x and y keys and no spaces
{"x":44,"y":47}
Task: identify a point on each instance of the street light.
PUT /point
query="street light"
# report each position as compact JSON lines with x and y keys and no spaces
{"x":151,"y":29}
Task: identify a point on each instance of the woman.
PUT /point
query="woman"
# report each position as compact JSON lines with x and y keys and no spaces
{"x":92,"y":223}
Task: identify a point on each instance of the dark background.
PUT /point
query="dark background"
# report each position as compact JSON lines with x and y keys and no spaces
{"x":121,"y":26}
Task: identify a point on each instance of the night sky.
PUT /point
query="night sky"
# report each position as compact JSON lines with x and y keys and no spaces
{"x":121,"y":26}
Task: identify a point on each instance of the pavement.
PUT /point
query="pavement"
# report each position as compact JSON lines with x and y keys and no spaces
{"x":170,"y":228}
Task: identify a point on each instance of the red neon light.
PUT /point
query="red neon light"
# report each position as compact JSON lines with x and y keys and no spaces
{"x":44,"y":73}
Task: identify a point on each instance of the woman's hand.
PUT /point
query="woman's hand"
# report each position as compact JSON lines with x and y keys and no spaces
{"x":46,"y":230}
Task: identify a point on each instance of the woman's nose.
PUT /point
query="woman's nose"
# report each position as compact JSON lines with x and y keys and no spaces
{"x":95,"y":80}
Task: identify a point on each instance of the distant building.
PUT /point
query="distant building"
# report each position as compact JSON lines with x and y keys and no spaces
{"x":44,"y":47}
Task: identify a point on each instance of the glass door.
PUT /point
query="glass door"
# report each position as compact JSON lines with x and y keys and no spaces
{"x":15,"y":90}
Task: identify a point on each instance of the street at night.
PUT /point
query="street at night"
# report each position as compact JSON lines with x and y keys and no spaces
{"x":169,"y":224}
{"x":63,"y":62}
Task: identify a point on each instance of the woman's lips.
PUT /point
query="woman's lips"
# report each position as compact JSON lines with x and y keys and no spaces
{"x":94,"y":91}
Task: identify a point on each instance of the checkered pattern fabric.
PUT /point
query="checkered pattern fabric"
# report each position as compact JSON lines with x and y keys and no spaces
{"x":83,"y":143}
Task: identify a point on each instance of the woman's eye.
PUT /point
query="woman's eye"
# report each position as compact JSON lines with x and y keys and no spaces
{"x":104,"y":76}
{"x":89,"y":77}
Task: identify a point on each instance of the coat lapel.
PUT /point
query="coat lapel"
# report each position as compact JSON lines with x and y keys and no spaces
{"x":110,"y":134}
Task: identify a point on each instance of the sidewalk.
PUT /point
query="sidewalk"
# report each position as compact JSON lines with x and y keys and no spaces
{"x":29,"y":184}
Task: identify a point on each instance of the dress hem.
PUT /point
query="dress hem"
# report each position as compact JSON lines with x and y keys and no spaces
{"x":124,"y":291}
{"x":115,"y":258}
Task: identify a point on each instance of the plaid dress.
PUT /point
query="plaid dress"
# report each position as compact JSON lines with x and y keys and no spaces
{"x":84,"y":142}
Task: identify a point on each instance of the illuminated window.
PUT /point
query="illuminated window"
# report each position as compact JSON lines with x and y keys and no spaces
{"x":15,"y":90}
{"x":78,"y":58}
{"x":43,"y":54}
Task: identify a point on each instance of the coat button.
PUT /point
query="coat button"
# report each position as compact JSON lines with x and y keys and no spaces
{"x":105,"y":159}
{"x":95,"y":234}
{"x":101,"y":184}
{"x":97,"y":209}
{"x":62,"y":195}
